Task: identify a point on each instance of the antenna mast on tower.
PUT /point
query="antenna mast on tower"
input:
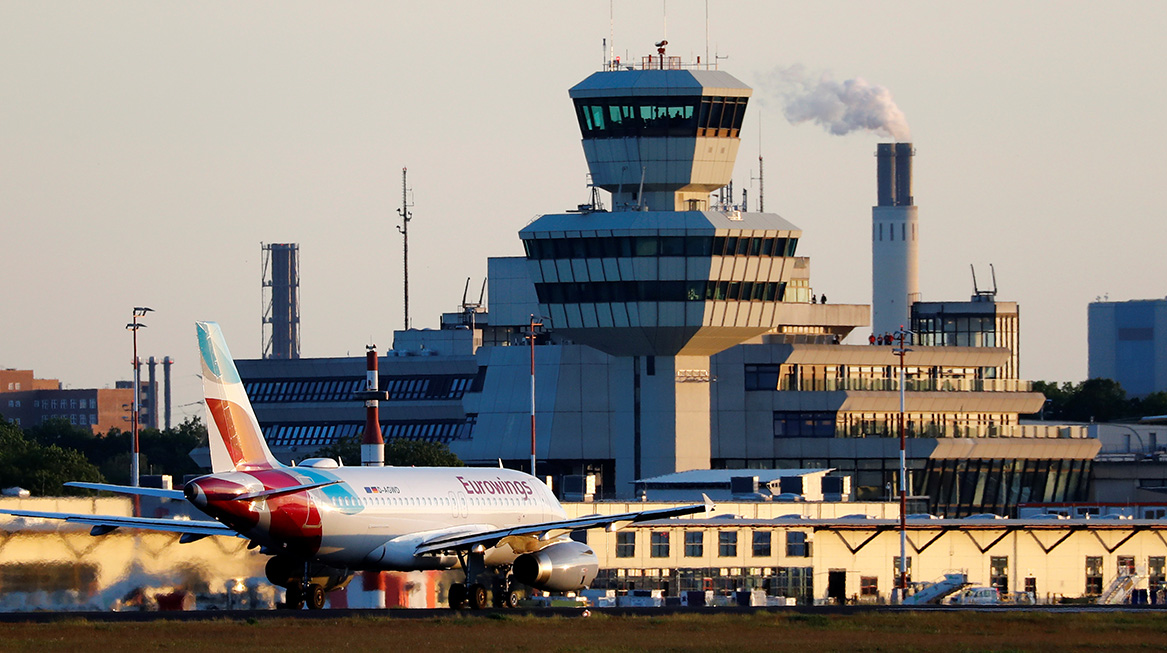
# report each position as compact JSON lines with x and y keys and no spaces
{"x":761,"y":170}
{"x":406,"y":216}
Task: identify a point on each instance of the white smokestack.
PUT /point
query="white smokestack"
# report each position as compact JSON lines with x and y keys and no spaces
{"x":840,"y":107}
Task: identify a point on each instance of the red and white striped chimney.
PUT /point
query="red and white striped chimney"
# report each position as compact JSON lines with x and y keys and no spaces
{"x":372,"y":445}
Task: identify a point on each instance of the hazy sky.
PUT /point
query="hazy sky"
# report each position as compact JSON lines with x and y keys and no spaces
{"x":148,"y":148}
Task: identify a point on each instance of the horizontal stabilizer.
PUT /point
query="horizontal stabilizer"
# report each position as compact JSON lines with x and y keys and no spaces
{"x":143,"y":523}
{"x":126,"y":489}
{"x":280,"y":491}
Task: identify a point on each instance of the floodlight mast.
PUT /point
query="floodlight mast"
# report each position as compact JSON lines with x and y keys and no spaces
{"x":902,"y":588}
{"x":531,"y":338}
{"x":135,"y":469}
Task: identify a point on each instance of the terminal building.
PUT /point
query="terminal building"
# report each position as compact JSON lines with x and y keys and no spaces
{"x":675,"y":331}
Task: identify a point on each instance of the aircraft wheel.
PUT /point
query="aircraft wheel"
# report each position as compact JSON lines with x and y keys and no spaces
{"x":315,"y":597}
{"x":294,"y":598}
{"x":457,"y":596}
{"x":478,"y":597}
{"x":510,"y":599}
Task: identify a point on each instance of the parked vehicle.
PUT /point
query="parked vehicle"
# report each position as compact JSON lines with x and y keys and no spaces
{"x":976,"y":596}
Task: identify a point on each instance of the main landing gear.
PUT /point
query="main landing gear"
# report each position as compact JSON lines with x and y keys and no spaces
{"x":298,"y":595}
{"x":474,"y":594}
{"x":304,"y":592}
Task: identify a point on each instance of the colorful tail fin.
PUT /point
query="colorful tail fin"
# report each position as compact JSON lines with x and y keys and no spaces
{"x":233,"y":432}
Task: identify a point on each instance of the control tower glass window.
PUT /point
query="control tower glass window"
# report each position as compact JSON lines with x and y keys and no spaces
{"x":651,"y":116}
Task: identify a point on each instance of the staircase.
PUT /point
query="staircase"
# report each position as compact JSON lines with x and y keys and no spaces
{"x":1120,"y":588}
{"x":936,"y":591}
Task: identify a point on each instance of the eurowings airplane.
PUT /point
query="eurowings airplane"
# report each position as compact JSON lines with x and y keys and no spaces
{"x":321,"y":521}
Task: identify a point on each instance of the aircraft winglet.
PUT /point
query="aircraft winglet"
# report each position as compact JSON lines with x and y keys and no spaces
{"x":709,"y":505}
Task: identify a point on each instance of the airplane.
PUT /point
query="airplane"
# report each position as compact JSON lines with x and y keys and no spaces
{"x":321,"y":521}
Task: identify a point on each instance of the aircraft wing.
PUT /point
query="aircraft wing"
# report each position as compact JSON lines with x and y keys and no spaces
{"x":126,"y":489}
{"x":548,"y":530}
{"x":105,"y":523}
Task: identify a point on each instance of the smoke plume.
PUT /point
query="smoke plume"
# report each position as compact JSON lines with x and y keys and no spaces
{"x":840,"y":107}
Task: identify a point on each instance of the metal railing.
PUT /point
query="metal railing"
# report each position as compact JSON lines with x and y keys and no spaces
{"x":910,"y":385}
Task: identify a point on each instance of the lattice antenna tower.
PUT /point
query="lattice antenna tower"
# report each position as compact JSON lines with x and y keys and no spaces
{"x":281,"y":300}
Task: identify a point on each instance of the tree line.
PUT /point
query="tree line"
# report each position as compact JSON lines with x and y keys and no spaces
{"x":42,"y":458}
{"x":1095,"y":400}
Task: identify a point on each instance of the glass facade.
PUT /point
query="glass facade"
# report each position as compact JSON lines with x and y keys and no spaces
{"x":958,"y":488}
{"x":399,"y":388}
{"x":658,"y":291}
{"x":660,"y":116}
{"x":794,"y":582}
{"x":936,"y":327}
{"x":280,"y":435}
{"x":825,"y":424}
{"x":538,"y":249}
{"x":881,"y":378}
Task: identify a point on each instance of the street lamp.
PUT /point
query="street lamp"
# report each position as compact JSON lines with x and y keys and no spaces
{"x":531,"y":338}
{"x":139,"y":311}
{"x":900,"y":350}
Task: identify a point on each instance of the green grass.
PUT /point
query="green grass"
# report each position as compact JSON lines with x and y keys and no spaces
{"x":778,"y":631}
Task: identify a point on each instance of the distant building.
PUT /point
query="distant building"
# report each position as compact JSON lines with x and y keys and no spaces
{"x":28,"y":401}
{"x":1128,"y":343}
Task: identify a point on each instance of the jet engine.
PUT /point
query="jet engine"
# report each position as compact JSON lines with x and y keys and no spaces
{"x":562,"y":566}
{"x":286,"y":571}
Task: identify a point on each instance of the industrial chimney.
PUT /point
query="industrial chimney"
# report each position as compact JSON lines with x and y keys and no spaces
{"x":895,"y":268}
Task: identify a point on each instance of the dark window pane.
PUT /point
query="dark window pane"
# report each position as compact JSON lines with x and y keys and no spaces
{"x":672,"y":246}
{"x":718,"y":245}
{"x":593,"y":247}
{"x":698,"y":246}
{"x":611,"y":247}
{"x":730,"y":245}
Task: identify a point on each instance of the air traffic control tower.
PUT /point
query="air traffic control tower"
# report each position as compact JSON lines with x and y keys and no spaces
{"x":666,"y":278}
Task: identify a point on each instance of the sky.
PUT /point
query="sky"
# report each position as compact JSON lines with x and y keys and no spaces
{"x":147,"y":149}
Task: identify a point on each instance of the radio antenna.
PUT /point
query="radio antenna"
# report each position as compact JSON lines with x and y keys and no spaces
{"x":406,"y":216}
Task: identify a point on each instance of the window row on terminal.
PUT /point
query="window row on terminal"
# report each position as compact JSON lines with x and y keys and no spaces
{"x":658,"y":291}
{"x":398,"y":388}
{"x":634,"y":246}
{"x":283,"y":435}
{"x":659,"y":116}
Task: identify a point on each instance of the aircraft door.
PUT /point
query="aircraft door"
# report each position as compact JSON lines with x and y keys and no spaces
{"x":463,"y":506}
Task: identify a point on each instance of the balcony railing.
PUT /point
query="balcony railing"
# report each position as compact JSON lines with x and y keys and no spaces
{"x":910,"y":385}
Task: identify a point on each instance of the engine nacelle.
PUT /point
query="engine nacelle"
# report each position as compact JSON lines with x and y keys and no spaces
{"x":559,"y":567}
{"x":286,"y":571}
